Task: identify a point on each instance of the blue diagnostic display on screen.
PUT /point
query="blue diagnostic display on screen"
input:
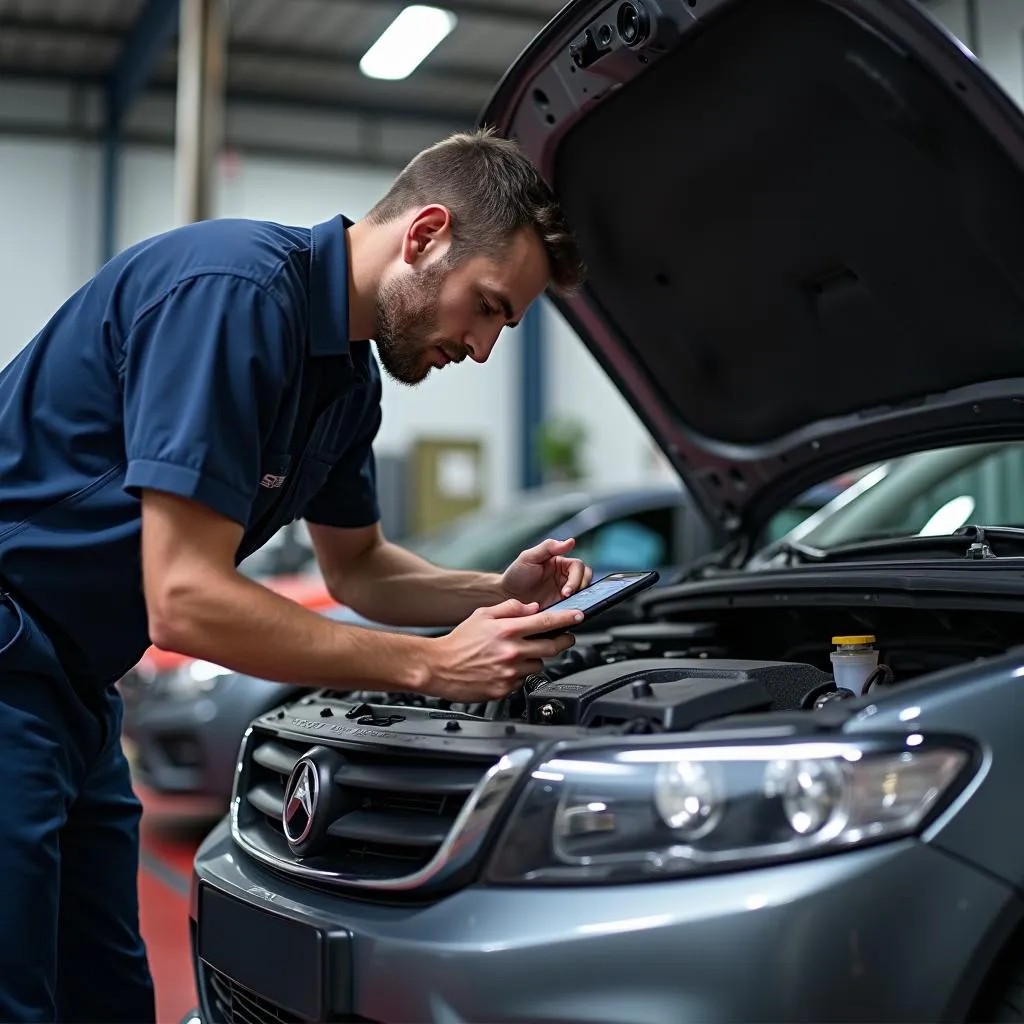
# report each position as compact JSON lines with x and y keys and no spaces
{"x":596,"y":592}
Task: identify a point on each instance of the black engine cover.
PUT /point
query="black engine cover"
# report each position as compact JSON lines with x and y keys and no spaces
{"x":673,"y":694}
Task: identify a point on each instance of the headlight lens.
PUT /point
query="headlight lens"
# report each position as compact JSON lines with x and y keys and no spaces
{"x":623,"y":814}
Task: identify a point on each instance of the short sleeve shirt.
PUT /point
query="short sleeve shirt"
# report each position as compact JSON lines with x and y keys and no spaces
{"x":211,"y":362}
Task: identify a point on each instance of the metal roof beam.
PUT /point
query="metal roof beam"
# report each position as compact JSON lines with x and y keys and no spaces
{"x":320,"y":57}
{"x":165,"y":140}
{"x":50,"y":76}
{"x":351,"y":107}
{"x":59,"y":30}
{"x":452,"y":117}
{"x":449,"y":117}
{"x":323,"y":59}
{"x":537,"y":17}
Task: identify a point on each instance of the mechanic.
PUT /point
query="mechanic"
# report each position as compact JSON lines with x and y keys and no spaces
{"x":206,"y":387}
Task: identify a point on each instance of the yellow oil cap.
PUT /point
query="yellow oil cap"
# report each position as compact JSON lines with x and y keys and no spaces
{"x":843,"y":641}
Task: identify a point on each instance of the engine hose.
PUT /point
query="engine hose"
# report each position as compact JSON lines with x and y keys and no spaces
{"x":880,"y":675}
{"x":643,"y":726}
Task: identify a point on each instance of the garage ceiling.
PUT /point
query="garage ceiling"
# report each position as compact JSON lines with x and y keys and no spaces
{"x":297,"y":53}
{"x":293,"y":79}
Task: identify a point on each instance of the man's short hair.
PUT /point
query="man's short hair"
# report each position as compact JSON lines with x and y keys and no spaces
{"x":492,"y":191}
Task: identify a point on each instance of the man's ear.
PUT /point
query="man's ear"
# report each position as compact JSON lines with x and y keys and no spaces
{"x":429,"y":232}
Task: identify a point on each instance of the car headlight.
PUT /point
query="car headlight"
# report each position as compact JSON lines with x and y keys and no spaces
{"x":602,"y":814}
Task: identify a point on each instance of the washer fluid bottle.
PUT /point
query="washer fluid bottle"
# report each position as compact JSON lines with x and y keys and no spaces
{"x":853,"y":660}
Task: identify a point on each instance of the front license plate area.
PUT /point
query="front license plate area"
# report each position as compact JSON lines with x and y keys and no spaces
{"x":283,"y":961}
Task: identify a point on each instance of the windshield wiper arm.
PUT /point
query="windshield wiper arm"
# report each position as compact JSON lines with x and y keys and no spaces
{"x":979,"y":535}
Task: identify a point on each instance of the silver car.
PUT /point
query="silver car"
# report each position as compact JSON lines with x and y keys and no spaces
{"x":787,"y":791}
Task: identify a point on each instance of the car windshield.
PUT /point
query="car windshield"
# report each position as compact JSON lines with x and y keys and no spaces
{"x":925,"y":494}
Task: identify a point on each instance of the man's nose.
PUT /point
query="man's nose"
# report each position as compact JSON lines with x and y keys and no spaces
{"x":480,"y":347}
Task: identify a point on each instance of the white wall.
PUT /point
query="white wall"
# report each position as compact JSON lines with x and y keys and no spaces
{"x":619,"y":449}
{"x":50,"y":238}
{"x":1000,"y":37}
{"x":49,"y":209}
{"x":953,"y":15}
{"x":1000,"y":41}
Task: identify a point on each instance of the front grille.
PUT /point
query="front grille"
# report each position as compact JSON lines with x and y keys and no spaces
{"x":236,"y":1005}
{"x":392,"y":811}
{"x":232,"y":1004}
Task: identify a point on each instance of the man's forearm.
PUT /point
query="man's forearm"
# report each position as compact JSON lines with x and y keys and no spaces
{"x":240,"y":624}
{"x":398,"y":588}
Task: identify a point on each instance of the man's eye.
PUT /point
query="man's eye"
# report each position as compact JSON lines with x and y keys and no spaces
{"x":486,"y":309}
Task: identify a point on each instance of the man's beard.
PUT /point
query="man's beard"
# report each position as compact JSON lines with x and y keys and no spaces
{"x":406,"y":312}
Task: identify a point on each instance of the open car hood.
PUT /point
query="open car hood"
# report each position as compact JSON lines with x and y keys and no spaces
{"x":804,"y":227}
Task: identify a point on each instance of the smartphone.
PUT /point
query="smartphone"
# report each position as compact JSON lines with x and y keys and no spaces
{"x":600,"y":595}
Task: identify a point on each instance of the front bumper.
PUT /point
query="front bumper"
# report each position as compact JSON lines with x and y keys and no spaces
{"x":900,"y":932}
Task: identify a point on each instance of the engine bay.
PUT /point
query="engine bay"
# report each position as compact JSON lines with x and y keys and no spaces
{"x":681,"y":672}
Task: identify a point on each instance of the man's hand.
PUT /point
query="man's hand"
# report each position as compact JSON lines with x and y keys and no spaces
{"x":486,"y":657}
{"x":543,"y":574}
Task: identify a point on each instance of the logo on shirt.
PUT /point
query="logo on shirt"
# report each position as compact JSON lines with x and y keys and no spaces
{"x":271,"y":481}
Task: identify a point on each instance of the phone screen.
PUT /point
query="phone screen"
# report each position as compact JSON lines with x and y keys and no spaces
{"x":607,"y":586}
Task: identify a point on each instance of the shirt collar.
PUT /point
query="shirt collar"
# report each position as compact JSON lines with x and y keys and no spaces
{"x":328,"y":288}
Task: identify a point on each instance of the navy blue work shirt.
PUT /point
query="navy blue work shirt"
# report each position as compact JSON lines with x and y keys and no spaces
{"x":211,"y":362}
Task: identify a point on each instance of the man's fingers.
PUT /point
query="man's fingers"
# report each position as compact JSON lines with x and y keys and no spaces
{"x":511,"y":609}
{"x":550,"y":648}
{"x":547,"y":550}
{"x":546,"y":622}
{"x":574,"y":581}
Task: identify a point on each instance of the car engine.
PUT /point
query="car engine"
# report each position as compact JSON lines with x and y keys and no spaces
{"x":636,"y":678}
{"x":675,"y":674}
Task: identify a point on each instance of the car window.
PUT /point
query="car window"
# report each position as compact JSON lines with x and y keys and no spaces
{"x":786,"y":520}
{"x":641,"y":540}
{"x":930,"y":493}
{"x":987,"y":492}
{"x":808,"y":504}
{"x":488,"y":541}
{"x":990,"y":493}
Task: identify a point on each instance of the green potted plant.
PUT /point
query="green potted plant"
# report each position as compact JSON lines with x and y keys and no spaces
{"x":560,"y":442}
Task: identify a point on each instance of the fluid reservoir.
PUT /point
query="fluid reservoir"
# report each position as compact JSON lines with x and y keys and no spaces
{"x":853,"y":660}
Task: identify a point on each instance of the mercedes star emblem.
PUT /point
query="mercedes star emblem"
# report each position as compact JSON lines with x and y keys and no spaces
{"x":300,"y":800}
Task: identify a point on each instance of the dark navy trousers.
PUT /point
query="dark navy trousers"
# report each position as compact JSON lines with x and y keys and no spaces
{"x":70,"y":948}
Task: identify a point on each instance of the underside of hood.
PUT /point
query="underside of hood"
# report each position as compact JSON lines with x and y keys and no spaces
{"x":804,"y":227}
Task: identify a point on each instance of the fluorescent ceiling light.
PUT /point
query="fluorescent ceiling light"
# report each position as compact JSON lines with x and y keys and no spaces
{"x":407,"y":42}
